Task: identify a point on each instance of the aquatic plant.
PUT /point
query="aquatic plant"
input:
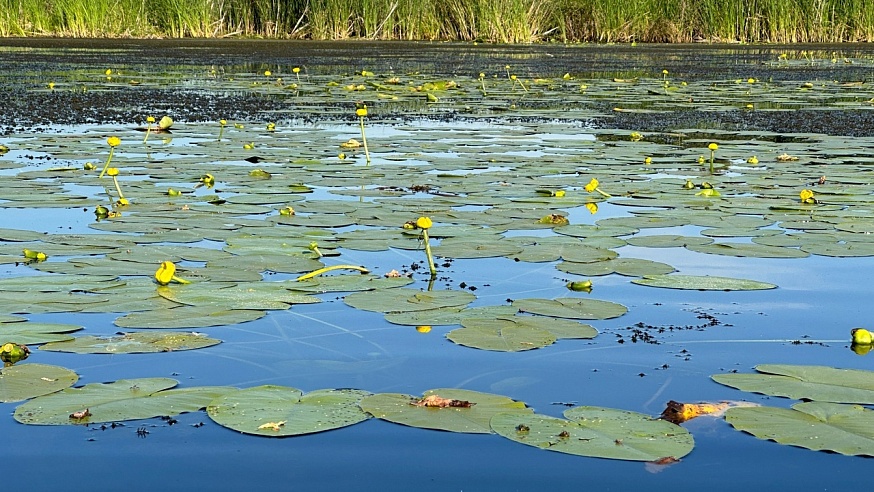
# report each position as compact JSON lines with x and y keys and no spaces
{"x":166,"y":273}
{"x":807,"y":197}
{"x":149,"y":121}
{"x":423,"y":224}
{"x":113,"y":142}
{"x":222,"y":124}
{"x":713,"y":147}
{"x":361,"y":112}
{"x":113,"y":172}
{"x":594,"y":186}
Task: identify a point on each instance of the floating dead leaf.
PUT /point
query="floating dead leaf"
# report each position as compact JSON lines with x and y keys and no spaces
{"x":274,"y":426}
{"x":677,"y":412}
{"x":440,"y":402}
{"x":81,"y":414}
{"x":351,"y":144}
{"x":660,"y":464}
{"x":392,"y":274}
{"x":784,"y":157}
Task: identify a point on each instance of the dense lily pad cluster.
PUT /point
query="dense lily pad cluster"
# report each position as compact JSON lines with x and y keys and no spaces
{"x":227,"y":230}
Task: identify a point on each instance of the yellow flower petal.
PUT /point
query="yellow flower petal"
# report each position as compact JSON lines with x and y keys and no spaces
{"x":164,"y":274}
{"x":424,"y":223}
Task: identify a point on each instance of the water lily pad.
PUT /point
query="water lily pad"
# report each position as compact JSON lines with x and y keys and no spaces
{"x":451,"y":315}
{"x":598,"y":432}
{"x":401,"y":409}
{"x":820,"y":383}
{"x":632,"y":267}
{"x":133,"y":343}
{"x":502,"y":335}
{"x":820,"y":426}
{"x":570,"y":307}
{"x":258,"y":296}
{"x":704,"y":282}
{"x":348,"y":283}
{"x":404,"y":300}
{"x":187,"y":317}
{"x":125,"y":399}
{"x":279,"y":411}
{"x":747,"y":250}
{"x":25,"y":381}
{"x":29,"y":332}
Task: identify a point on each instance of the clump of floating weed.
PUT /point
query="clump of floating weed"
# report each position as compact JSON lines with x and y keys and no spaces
{"x":361,"y":111}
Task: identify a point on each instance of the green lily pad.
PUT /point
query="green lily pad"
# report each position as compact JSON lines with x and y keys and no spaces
{"x":570,"y":307}
{"x":133,"y":343}
{"x":348,"y":283}
{"x":747,"y":250}
{"x":598,"y":432}
{"x":818,"y":383}
{"x":404,"y":300}
{"x":501,"y":335}
{"x":450,"y":315}
{"x":25,"y":381}
{"x":820,"y":426}
{"x":258,"y":296}
{"x":279,"y":411}
{"x":401,"y":409}
{"x":632,"y":267}
{"x":187,"y":317}
{"x":705,"y":282}
{"x":125,"y":399}
{"x":28,"y":332}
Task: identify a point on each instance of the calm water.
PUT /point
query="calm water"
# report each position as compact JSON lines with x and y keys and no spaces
{"x":330,"y":345}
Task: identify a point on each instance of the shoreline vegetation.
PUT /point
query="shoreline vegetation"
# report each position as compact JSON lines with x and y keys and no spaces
{"x":499,"y":21}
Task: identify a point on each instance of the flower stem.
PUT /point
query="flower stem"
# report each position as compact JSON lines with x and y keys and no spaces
{"x":428,"y":253}
{"x":604,"y":194}
{"x":328,"y":269}
{"x":108,"y":160}
{"x":148,"y":131}
{"x":364,"y":140}
{"x":117,"y":187}
{"x":712,"y":153}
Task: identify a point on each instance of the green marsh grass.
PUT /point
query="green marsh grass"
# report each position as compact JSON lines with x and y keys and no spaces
{"x":504,"y":21}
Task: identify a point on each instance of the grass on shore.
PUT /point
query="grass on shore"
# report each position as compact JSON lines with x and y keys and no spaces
{"x":506,"y":21}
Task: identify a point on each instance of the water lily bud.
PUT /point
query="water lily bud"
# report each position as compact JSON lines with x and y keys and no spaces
{"x":689,"y":185}
{"x":580,"y":286}
{"x":101,"y":212}
{"x":165,"y":123}
{"x":10,"y":353}
{"x":89,"y":166}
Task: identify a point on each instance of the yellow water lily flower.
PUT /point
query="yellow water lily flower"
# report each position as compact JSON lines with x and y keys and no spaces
{"x":362,"y":111}
{"x":165,"y":123}
{"x":807,"y":196}
{"x":753,"y":160}
{"x":862,"y":336}
{"x":113,"y":141}
{"x":592,"y":186}
{"x":166,"y":273}
{"x":592,"y":208}
{"x":423,"y":329}
{"x":713,"y":146}
{"x":424,"y":223}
